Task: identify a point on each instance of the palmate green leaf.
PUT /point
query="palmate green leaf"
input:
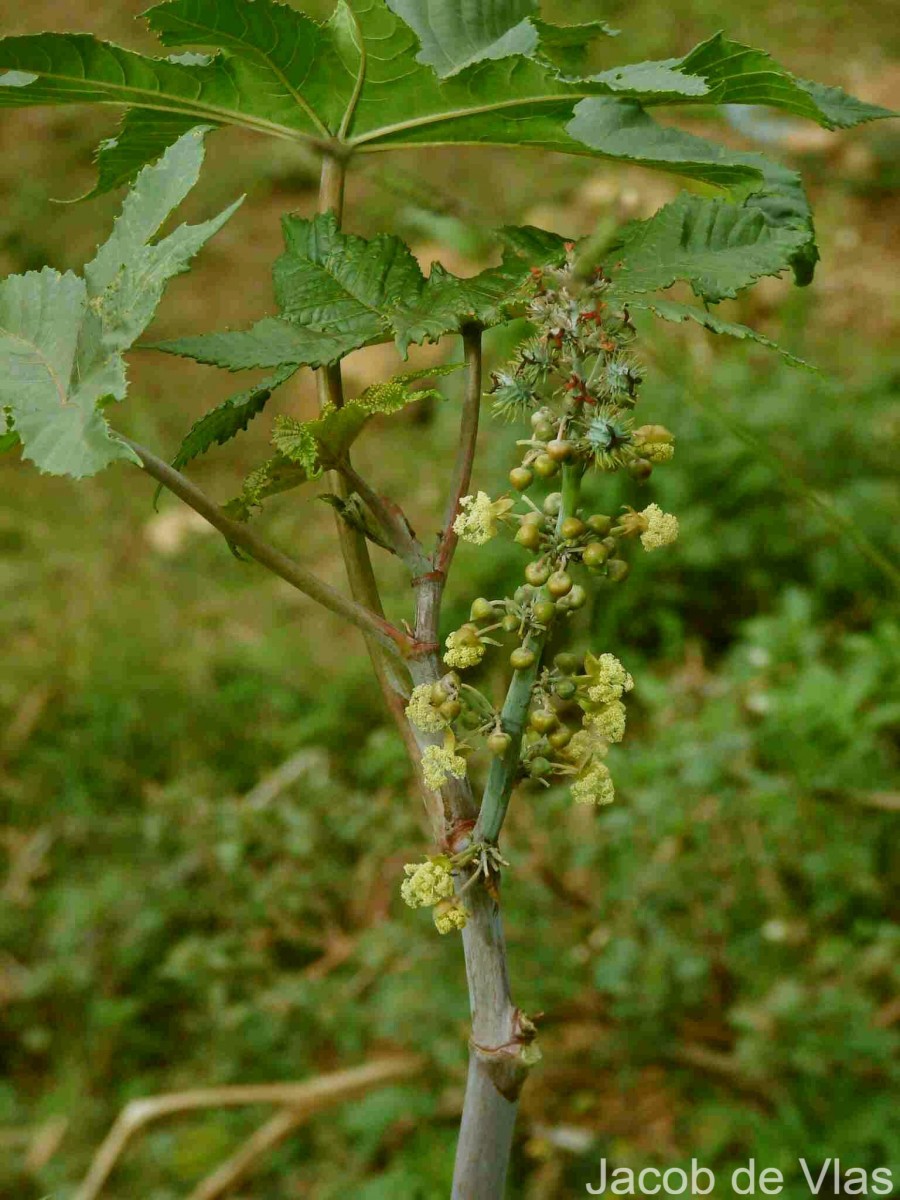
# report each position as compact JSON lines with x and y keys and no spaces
{"x":338,"y":292}
{"x":669,"y":310}
{"x":229,"y":419}
{"x":62,"y":337}
{"x":717,"y":247}
{"x":738,"y":74}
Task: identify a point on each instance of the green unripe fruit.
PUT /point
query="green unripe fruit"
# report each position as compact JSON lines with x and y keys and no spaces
{"x":544,"y":611}
{"x":640,"y":469}
{"x":543,"y":430}
{"x":560,"y":738}
{"x":521,"y":478}
{"x":498,"y":743}
{"x":595,"y":554}
{"x":450,"y":709}
{"x":560,"y":449}
{"x":552,"y":504}
{"x":470,"y":719}
{"x":438,"y":694}
{"x":577,"y":598}
{"x":539,"y":767}
{"x":542,"y":719}
{"x":598,"y":523}
{"x":541,"y":417}
{"x":559,"y":583}
{"x":510,"y":623}
{"x":521,"y":659}
{"x":530,"y":736}
{"x":566,"y":689}
{"x":523,"y":594}
{"x":567,"y":662}
{"x":481,"y":609}
{"x":617,"y":569}
{"x":572,"y":528}
{"x":537,"y":573}
{"x":611,"y":544}
{"x":468,"y":635}
{"x":533,"y":517}
{"x":528,"y":535}
{"x":545,"y":466}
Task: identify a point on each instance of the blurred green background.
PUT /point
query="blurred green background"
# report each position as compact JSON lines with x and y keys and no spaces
{"x":717,"y":956}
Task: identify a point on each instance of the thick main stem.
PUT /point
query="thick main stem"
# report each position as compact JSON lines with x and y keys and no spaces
{"x":497,"y":1067}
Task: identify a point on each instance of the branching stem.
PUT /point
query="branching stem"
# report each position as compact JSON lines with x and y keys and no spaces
{"x":388,"y":637}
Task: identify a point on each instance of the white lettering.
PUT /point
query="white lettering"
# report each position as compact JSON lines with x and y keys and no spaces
{"x":814,"y":1187}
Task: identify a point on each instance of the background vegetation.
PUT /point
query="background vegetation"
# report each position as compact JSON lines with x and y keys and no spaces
{"x":717,"y":956}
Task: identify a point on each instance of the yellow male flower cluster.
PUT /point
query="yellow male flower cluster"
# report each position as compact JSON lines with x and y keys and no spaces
{"x":609,"y":721}
{"x":422,"y":712}
{"x":594,"y":786}
{"x":429,"y":884}
{"x":450,"y":915}
{"x":478,"y":515}
{"x":656,"y":443}
{"x":608,"y":678}
{"x":439,"y":763}
{"x":656,"y":528}
{"x":464,"y":648}
{"x":426,"y":883}
{"x":662,"y":528}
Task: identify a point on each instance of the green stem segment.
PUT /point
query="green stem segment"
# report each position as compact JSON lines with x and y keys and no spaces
{"x":502,"y":774}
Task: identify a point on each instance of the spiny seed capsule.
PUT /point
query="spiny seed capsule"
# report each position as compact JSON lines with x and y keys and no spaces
{"x":560,"y":449}
{"x":545,"y":466}
{"x":537,"y":573}
{"x":481,"y":609}
{"x":552,"y":504}
{"x":528,"y":535}
{"x":542,"y":719}
{"x":560,"y":738}
{"x":572,"y":528}
{"x":567,"y":662}
{"x":510,"y":623}
{"x":599,"y":523}
{"x":559,"y":583}
{"x":498,"y":743}
{"x":521,"y":478}
{"x":521,"y":658}
{"x":617,"y":569}
{"x":544,"y":611}
{"x":595,"y":554}
{"x":566,"y":689}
